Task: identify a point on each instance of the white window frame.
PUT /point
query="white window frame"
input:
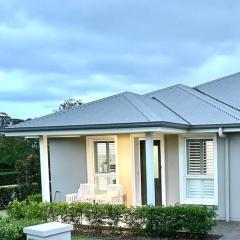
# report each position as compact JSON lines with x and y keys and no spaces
{"x":91,"y":157}
{"x":183,"y":170}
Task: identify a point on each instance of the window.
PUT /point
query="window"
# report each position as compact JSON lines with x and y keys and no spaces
{"x":105,"y":165}
{"x":199,"y":171}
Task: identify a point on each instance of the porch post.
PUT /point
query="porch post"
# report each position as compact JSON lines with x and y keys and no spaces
{"x":150,"y":169}
{"x":44,"y":161}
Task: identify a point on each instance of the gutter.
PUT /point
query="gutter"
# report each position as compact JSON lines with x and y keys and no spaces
{"x":97,"y":126}
{"x":235,"y":127}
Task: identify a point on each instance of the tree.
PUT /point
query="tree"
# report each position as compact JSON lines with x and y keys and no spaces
{"x":15,"y":148}
{"x":5,"y":119}
{"x":28,"y":176}
{"x":69,"y":103}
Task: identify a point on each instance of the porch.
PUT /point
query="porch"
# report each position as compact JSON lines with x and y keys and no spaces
{"x":149,"y":165}
{"x":146,"y":164}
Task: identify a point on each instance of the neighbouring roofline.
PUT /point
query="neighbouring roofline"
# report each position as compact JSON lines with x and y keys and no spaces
{"x":216,"y":80}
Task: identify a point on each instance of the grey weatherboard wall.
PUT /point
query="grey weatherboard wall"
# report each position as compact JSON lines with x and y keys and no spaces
{"x":68,"y":165}
{"x":234,"y":177}
{"x":234,"y":159}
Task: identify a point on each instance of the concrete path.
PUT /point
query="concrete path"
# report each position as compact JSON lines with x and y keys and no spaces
{"x":230,"y":231}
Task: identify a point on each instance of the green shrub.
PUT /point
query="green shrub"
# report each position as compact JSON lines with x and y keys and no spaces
{"x":7,"y":194}
{"x":11,"y":229}
{"x":147,"y":220}
{"x":35,"y":198}
{"x":8,"y":178}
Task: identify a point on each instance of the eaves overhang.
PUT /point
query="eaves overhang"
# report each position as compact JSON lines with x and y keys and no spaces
{"x":120,"y":128}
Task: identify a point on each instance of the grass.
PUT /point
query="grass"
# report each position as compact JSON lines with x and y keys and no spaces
{"x":3,"y":213}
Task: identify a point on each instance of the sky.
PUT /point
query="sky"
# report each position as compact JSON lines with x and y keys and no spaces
{"x":51,"y":50}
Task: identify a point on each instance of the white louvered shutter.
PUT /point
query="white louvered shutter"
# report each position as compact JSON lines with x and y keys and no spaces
{"x":200,"y":169}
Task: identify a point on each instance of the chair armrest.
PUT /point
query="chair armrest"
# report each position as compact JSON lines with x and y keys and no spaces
{"x":119,"y":199}
{"x":71,"y":197}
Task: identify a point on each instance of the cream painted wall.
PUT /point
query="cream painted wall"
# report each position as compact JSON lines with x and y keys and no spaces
{"x":172,"y":169}
{"x":125,"y":167}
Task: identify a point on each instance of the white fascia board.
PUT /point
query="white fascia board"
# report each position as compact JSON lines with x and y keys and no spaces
{"x":231,"y":130}
{"x":96,"y":131}
{"x":207,"y":130}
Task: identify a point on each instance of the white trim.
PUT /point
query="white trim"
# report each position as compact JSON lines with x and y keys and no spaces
{"x":134,"y":193}
{"x":90,"y":154}
{"x":150,"y":169}
{"x":183,"y":168}
{"x":97,"y":131}
{"x":44,"y":164}
{"x":137,"y":178}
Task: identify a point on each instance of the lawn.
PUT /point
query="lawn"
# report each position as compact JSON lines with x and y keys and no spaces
{"x":3,"y":213}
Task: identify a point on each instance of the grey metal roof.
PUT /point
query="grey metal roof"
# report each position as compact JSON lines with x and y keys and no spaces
{"x":122,"y":108}
{"x":195,"y":107}
{"x":226,"y":89}
{"x":210,"y":104}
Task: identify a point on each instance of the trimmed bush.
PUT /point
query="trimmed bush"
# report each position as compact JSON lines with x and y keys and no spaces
{"x":146,"y":220}
{"x":35,"y":198}
{"x":12,"y":229}
{"x":7,"y":194}
{"x":8,"y":178}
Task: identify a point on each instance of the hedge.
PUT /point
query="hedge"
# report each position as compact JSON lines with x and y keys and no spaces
{"x":12,"y":192}
{"x":7,"y":194}
{"x":145,"y":221}
{"x":8,"y":178}
{"x":12,"y":229}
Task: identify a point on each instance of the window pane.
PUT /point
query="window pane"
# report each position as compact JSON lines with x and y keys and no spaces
{"x":200,"y":155}
{"x":102,"y":182}
{"x":208,"y":157}
{"x":105,"y":165}
{"x":112,"y":158}
{"x":101,"y":160}
{"x":194,"y":157}
{"x":156,"y":166}
{"x":200,"y":188}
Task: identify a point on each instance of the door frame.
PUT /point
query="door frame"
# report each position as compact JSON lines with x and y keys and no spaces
{"x":137,"y":193}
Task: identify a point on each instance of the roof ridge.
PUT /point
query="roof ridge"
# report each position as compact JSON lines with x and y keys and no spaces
{"x":163,"y":89}
{"x":216,"y":80}
{"x":170,"y":109}
{"x":212,"y":100}
{"x":131,"y":97}
{"x":69,"y":110}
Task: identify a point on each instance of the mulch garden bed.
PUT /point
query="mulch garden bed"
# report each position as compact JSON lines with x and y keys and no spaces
{"x":105,"y":233}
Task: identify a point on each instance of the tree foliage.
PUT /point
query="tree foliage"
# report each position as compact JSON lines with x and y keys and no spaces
{"x":28,"y":176}
{"x":6,"y":120}
{"x":15,"y":148}
{"x":70,"y":103}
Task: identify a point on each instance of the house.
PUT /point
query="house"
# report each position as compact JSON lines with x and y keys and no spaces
{"x":177,"y":145}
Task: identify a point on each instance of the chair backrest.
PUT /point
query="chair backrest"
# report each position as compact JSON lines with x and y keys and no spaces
{"x":86,"y":189}
{"x":115,"y":189}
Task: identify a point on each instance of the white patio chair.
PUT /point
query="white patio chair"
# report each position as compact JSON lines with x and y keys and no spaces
{"x":86,"y":193}
{"x":115,"y":195}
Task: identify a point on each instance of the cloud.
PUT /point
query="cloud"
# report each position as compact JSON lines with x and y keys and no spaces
{"x":53,"y":50}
